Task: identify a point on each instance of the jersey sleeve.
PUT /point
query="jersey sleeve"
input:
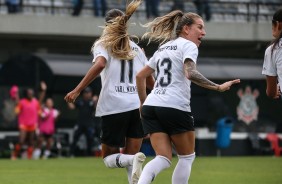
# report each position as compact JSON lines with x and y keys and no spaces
{"x":151,"y":63}
{"x":99,"y":50}
{"x":269,"y":67}
{"x":190,"y":51}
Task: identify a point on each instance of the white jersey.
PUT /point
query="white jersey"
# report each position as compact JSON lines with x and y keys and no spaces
{"x":172,"y":88}
{"x":272,"y":65}
{"x":119,"y":92}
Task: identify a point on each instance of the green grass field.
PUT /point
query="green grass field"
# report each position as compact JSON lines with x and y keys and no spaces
{"x":206,"y":170}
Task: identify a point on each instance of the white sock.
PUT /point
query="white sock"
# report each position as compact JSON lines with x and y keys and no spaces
{"x":47,"y":153}
{"x":36,"y":153}
{"x":129,"y":173}
{"x":118,"y":160}
{"x":153,"y":168}
{"x":182,"y":170}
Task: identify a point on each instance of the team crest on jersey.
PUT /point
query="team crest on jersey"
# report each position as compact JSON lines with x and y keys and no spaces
{"x":248,"y":109}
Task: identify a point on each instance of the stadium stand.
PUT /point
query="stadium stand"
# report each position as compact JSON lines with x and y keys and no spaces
{"x":222,"y":10}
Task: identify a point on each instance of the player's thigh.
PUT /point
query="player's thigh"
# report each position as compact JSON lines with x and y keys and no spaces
{"x":184,"y":142}
{"x":161,"y":144}
{"x":114,"y":128}
{"x":135,"y":128}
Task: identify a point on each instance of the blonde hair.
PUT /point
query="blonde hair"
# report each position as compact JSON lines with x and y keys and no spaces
{"x":115,"y":37}
{"x":161,"y":29}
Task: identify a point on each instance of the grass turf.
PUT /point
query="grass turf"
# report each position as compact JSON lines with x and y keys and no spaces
{"x":206,"y":170}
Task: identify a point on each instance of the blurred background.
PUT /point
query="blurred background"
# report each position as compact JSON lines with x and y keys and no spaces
{"x":50,"y":40}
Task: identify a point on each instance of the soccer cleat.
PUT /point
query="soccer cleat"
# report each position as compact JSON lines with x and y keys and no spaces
{"x":138,"y":161}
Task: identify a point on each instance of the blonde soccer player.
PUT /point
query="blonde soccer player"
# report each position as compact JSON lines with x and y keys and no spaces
{"x":118,"y":59}
{"x":166,"y":111}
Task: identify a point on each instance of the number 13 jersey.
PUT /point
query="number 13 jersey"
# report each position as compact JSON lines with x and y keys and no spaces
{"x":119,"y":92}
{"x":172,"y":88}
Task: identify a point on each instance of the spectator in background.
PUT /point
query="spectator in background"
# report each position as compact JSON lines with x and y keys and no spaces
{"x":100,"y":8}
{"x":13,"y":5}
{"x":272,"y":66}
{"x":85,"y":122}
{"x":177,"y":5}
{"x":203,"y":8}
{"x":9,"y":115}
{"x":46,"y":128}
{"x":77,"y":7}
{"x":152,"y":8}
{"x":28,"y":110}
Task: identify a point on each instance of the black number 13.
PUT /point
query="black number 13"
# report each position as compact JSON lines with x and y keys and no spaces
{"x":164,"y":65}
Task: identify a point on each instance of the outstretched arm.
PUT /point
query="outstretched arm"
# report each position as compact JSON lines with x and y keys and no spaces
{"x":42,"y":93}
{"x":196,"y":77}
{"x":92,"y":73}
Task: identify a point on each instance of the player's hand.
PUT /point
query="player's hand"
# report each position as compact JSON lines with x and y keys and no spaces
{"x":71,"y":96}
{"x":43,"y":86}
{"x":95,"y":98}
{"x":226,"y":86}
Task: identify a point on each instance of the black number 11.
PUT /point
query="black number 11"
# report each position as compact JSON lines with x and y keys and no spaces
{"x":130,"y":71}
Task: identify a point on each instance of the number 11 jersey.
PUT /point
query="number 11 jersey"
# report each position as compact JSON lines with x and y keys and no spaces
{"x":119,"y":91}
{"x":172,"y":88}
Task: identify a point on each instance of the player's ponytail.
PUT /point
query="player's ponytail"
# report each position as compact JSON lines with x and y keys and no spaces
{"x":161,"y":29}
{"x":115,"y":37}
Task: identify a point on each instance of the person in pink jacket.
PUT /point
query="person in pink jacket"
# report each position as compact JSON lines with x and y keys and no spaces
{"x":46,"y":128}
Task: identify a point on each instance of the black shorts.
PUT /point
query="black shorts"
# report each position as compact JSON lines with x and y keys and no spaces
{"x":168,"y":120}
{"x":116,"y":127}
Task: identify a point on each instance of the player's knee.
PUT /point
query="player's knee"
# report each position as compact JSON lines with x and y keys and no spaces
{"x":190,"y":157}
{"x":165,"y":160}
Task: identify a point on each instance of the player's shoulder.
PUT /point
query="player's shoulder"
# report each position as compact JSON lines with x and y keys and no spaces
{"x":132,"y":43}
{"x":97,"y":43}
{"x":186,"y":43}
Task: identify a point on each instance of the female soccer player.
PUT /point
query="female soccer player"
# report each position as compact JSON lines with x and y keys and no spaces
{"x":118,"y":60}
{"x":166,"y":112}
{"x":272,"y":66}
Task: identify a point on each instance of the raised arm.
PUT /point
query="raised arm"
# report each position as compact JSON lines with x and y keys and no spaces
{"x":92,"y":73}
{"x":196,"y":77}
{"x":42,"y":93}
